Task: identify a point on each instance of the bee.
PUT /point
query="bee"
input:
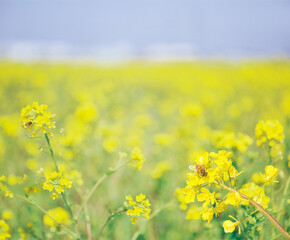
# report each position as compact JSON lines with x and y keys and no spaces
{"x":28,"y":124}
{"x":201,"y":170}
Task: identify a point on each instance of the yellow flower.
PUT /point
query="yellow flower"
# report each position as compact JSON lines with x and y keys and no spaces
{"x":59,"y":214}
{"x":37,"y":117}
{"x":207,"y":214}
{"x":190,"y":193}
{"x":137,"y":158}
{"x":230,"y":226}
{"x":9,"y":194}
{"x":56,"y":181}
{"x":233,"y":199}
{"x":206,"y":196}
{"x":193,"y":213}
{"x":181,"y":198}
{"x":4,"y":230}
{"x":140,"y":197}
{"x":7,"y":214}
{"x":271,"y":172}
{"x":140,"y":207}
{"x":271,"y":131}
{"x":54,"y":196}
{"x":220,"y":207}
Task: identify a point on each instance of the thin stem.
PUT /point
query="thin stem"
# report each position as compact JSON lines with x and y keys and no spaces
{"x":261,"y":190}
{"x":51,"y":151}
{"x":269,"y":153}
{"x":89,"y":195}
{"x":46,"y":213}
{"x":248,"y":215}
{"x":88,"y":224}
{"x":135,"y":236}
{"x":160,"y":209}
{"x":262,"y":210}
{"x":284,"y":197}
{"x":107,"y":221}
{"x":276,"y":237}
{"x":96,"y":186}
{"x":67,"y":205}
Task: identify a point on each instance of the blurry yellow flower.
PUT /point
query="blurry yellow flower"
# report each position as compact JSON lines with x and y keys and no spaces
{"x":193,"y":213}
{"x":32,"y":189}
{"x":137,"y":158}
{"x":4,"y":230}
{"x":9,"y":194}
{"x":59,"y":214}
{"x":14,"y":180}
{"x":7,"y":214}
{"x":270,"y":130}
{"x":37,"y":117}
{"x":22,"y":233}
{"x":191,"y":109}
{"x":87,"y":112}
{"x":161,"y":167}
{"x":233,"y":199}
{"x":163,"y":139}
{"x":110,"y":144}
{"x":140,"y":197}
{"x":271,"y":172}
{"x":181,"y":198}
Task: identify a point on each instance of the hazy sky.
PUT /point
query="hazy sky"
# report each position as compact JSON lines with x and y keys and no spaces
{"x":202,"y":28}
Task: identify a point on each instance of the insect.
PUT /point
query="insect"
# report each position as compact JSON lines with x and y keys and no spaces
{"x":28,"y":124}
{"x":201,"y":170}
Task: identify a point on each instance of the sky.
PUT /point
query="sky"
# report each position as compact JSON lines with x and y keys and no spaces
{"x":125,"y":29}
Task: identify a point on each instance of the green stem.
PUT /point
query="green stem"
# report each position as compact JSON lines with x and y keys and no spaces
{"x":262,"y":210}
{"x":284,"y":198}
{"x":51,"y":151}
{"x":160,"y":209}
{"x":46,"y":213}
{"x":57,"y":169}
{"x":248,"y":215}
{"x":107,"y":221}
{"x":111,"y":171}
{"x":269,"y":153}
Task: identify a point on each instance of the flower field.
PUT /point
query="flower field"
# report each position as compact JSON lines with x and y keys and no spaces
{"x":145,"y":151}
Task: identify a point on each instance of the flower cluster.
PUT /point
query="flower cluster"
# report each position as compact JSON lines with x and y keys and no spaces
{"x":271,"y":131}
{"x":214,"y":170}
{"x":231,"y":140}
{"x":37,"y":117}
{"x":137,"y":158}
{"x":56,"y":181}
{"x":140,"y":206}
{"x":211,"y":168}
{"x":4,"y":230}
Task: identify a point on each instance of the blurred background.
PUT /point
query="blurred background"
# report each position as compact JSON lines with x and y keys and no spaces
{"x":153,"y":29}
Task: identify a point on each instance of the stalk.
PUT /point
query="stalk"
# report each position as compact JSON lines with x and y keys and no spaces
{"x":262,"y":210}
{"x":96,"y":186}
{"x":57,"y":169}
{"x":107,"y":221}
{"x":46,"y":213}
